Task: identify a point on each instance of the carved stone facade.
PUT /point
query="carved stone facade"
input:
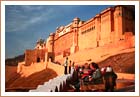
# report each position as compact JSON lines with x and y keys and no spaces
{"x":111,"y":25}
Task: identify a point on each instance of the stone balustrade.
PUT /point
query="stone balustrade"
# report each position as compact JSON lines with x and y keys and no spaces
{"x":56,"y":84}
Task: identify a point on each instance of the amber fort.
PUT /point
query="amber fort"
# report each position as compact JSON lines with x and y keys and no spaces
{"x":111,"y":30}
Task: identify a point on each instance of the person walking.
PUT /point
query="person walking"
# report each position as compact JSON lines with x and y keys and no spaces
{"x":70,"y":67}
{"x":110,"y":79}
{"x":65,"y":65}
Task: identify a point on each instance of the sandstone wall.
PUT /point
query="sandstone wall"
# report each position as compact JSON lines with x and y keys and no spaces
{"x":26,"y":71}
{"x":59,"y":69}
{"x":101,"y":53}
{"x":87,"y":36}
{"x":63,"y":43}
{"x":32,"y":56}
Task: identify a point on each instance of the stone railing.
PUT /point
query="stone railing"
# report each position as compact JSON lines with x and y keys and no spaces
{"x":56,"y":84}
{"x":26,"y":71}
{"x":59,"y":69}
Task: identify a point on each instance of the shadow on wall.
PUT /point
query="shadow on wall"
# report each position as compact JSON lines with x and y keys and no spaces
{"x":23,"y":84}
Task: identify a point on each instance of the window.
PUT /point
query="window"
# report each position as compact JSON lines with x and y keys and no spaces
{"x":38,"y":60}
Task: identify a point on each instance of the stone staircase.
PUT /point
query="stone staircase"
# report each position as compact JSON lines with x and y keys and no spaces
{"x":56,"y":84}
{"x":61,"y":84}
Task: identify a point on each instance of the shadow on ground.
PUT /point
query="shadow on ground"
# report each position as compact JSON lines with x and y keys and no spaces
{"x":24,"y":84}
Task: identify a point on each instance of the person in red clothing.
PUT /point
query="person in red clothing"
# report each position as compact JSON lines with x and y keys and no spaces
{"x":86,"y":72}
{"x":83,"y":73}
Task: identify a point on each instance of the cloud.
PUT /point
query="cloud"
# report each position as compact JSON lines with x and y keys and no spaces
{"x":21,"y":17}
{"x":32,"y":7}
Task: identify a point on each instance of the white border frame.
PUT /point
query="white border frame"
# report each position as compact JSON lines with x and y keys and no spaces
{"x":3,"y":93}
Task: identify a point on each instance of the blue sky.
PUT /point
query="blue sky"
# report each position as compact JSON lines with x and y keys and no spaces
{"x":25,"y":24}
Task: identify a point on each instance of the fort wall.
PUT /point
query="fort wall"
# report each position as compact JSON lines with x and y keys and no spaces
{"x":33,"y":56}
{"x":113,"y":25}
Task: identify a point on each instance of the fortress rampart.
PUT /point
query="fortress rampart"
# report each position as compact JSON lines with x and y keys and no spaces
{"x":108,"y":27}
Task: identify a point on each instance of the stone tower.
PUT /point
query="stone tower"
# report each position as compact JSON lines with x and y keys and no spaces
{"x":118,"y":22}
{"x":75,"y":27}
{"x":50,"y":48}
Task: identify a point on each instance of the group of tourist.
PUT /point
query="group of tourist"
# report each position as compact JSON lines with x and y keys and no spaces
{"x":67,"y":66}
{"x":91,"y":73}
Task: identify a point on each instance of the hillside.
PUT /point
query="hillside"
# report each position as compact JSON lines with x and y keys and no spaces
{"x":121,"y":63}
{"x":14,"y":61}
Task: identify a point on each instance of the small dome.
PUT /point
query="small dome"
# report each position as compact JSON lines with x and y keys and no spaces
{"x":57,"y":28}
{"x":76,"y":19}
{"x":61,"y":28}
{"x":51,"y":34}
